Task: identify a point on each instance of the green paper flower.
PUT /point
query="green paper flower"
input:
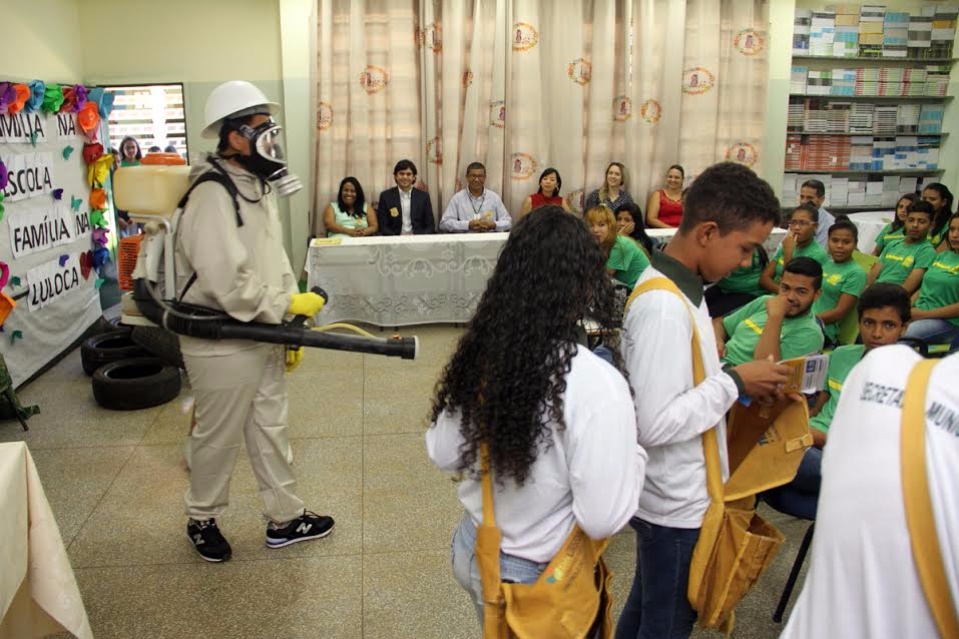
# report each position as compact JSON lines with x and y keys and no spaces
{"x":52,"y":99}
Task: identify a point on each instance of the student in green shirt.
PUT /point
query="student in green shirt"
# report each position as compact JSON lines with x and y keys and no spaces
{"x":625,"y":261}
{"x":739,"y":287}
{"x":778,"y":326}
{"x":904,"y":262}
{"x":842,"y":279}
{"x":941,"y":199}
{"x":936,"y":313}
{"x":799,"y":242}
{"x":883,"y":315}
{"x":895,"y":230}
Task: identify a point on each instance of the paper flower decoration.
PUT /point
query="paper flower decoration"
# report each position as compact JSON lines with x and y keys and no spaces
{"x":98,"y":199}
{"x":4,"y":274}
{"x":99,"y":171}
{"x":52,"y":99}
{"x":98,"y":220}
{"x":89,"y":119}
{"x":4,"y":177}
{"x":79,"y":97}
{"x":37,"y":91}
{"x":92,"y":151}
{"x":99,"y":237}
{"x":22,"y":92}
{"x":101,"y":255}
{"x":8,"y":95}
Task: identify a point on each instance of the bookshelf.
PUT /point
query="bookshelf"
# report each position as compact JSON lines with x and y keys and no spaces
{"x":867,"y":100}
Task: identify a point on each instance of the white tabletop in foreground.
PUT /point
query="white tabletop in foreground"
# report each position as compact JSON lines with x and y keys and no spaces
{"x":38,"y":591}
{"x":414,"y":279}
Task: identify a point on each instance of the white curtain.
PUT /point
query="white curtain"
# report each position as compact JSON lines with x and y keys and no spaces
{"x":521,"y":85}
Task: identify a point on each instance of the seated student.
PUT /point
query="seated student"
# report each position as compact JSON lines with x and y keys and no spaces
{"x":842,"y":279}
{"x":895,"y":230}
{"x":904,"y":262}
{"x":739,"y":287}
{"x":629,"y":223}
{"x":779,"y":326}
{"x":625,"y":261}
{"x":548,"y":194}
{"x":349,"y":215}
{"x":475,"y":208}
{"x":936,"y":313}
{"x":883,"y":316}
{"x":404,"y":209}
{"x":813,"y":192}
{"x":940,"y":197}
{"x":800,"y":241}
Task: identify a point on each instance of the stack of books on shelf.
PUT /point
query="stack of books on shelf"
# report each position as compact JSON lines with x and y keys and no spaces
{"x":822,"y":33}
{"x":930,"y":118}
{"x":861,"y":153}
{"x":943,"y":29}
{"x":846,"y":38}
{"x":931,"y":80}
{"x":937,"y":79}
{"x":801,"y":26}
{"x":895,"y":35}
{"x":871,"y":18}
{"x":920,"y":36}
{"x":797,"y":79}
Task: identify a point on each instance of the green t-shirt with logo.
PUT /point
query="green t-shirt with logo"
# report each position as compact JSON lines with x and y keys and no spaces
{"x":799,"y":335}
{"x":813,"y":250}
{"x":841,"y":361}
{"x":887,"y":236}
{"x":940,"y":284}
{"x":899,"y":258}
{"x":846,"y":277}
{"x":745,"y":279}
{"x":627,"y":261}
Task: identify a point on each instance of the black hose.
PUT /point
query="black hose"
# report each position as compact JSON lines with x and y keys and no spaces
{"x":293,"y":334}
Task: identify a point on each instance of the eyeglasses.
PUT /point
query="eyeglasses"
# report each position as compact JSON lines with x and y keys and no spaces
{"x":800,"y":223}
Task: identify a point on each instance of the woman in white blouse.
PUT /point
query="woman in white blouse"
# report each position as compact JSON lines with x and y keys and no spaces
{"x":559,"y":422}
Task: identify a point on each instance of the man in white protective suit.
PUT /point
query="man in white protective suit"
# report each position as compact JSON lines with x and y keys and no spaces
{"x":230,"y":257}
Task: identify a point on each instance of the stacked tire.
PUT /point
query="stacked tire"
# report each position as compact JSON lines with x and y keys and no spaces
{"x":125,"y":375}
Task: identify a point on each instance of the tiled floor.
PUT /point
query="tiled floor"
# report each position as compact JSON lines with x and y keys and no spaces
{"x":116,"y":483}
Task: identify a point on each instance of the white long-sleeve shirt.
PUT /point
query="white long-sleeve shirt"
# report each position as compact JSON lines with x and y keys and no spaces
{"x":464,"y":207}
{"x":672,"y":414}
{"x":591,"y":475}
{"x":862,"y":581}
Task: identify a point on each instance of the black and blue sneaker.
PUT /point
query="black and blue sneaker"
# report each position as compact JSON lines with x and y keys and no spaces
{"x":208,"y":541}
{"x":307,"y":526}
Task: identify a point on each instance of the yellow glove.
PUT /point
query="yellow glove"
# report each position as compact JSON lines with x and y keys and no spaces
{"x":293,"y":358}
{"x":308,"y":304}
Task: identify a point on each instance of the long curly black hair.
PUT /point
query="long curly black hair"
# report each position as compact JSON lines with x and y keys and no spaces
{"x":508,"y":375}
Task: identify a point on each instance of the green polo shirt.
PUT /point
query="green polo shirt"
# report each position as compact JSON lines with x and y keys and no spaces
{"x":841,"y":361}
{"x":887,"y":236}
{"x":899,"y":258}
{"x":744,"y":279}
{"x":940,"y":284}
{"x":847,"y":277}
{"x":799,"y":335}
{"x":627,"y":261}
{"x":813,"y":250}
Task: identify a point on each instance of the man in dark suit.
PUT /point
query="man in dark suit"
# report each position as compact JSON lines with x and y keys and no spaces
{"x":404,"y":210}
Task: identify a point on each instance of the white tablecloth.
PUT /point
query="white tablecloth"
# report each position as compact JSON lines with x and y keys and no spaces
{"x":415,"y":279}
{"x":869,"y":224}
{"x":38,"y":592}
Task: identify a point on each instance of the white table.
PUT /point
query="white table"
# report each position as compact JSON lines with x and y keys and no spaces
{"x":38,"y":592}
{"x":869,"y":225}
{"x":414,"y":279}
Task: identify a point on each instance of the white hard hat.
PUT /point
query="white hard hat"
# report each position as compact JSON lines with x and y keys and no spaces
{"x":235,"y":98}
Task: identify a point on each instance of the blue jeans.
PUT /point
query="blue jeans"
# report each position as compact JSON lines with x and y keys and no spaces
{"x":465,"y":570}
{"x":657,"y":606}
{"x":934,"y":331}
{"x":800,"y":497}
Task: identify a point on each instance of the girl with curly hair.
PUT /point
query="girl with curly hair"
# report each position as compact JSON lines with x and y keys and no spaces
{"x":558,"y":422}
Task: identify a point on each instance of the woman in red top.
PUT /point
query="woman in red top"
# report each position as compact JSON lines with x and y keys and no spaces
{"x":665,"y":209}
{"x":548,"y":193}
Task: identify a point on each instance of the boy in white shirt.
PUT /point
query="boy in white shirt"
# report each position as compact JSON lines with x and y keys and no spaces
{"x":862,"y":581}
{"x":728,"y":213}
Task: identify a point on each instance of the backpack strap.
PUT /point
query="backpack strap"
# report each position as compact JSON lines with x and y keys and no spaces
{"x":920,"y":519}
{"x":214,"y":175}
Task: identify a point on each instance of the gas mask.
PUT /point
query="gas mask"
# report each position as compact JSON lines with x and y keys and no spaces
{"x":267,"y":159}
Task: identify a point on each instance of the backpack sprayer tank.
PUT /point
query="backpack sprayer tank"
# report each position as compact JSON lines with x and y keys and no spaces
{"x":152,"y":194}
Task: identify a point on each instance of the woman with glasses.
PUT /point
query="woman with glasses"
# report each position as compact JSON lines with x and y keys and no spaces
{"x":799,"y":242}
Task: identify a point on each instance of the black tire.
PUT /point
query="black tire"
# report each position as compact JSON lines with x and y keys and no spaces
{"x":108,"y":347}
{"x":133,"y":384}
{"x":160,"y":342}
{"x":113,"y":324}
